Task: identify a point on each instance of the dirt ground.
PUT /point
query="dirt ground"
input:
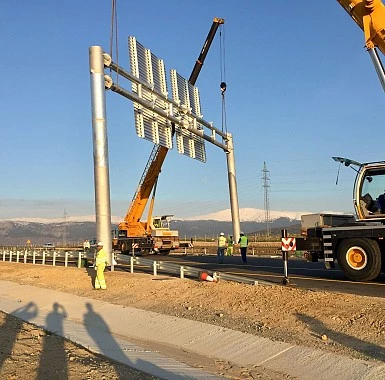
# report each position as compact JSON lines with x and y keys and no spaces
{"x":345,"y":324}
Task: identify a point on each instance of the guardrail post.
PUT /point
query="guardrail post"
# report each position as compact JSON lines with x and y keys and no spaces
{"x":131,"y":264}
{"x":25,"y":256}
{"x":205,"y":251}
{"x":155,"y":268}
{"x":3,"y":254}
{"x":66,"y":259}
{"x":10,"y":256}
{"x":34,"y":257}
{"x":185,"y":251}
{"x":43,"y":259}
{"x":253,"y":251}
{"x":54,"y":258}
{"x":80,"y":260}
{"x":17,"y":256}
{"x":181,"y":271}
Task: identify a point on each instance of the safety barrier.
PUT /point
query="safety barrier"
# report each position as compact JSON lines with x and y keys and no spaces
{"x":182,"y":271}
{"x":42,"y":257}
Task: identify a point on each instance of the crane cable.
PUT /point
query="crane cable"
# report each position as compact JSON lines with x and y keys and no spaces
{"x":223,"y":85}
{"x":114,"y":34}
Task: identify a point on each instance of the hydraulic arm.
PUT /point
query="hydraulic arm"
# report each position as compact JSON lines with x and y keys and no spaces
{"x":369,"y":15}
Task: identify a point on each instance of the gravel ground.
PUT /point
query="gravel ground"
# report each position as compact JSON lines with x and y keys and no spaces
{"x":346,"y":324}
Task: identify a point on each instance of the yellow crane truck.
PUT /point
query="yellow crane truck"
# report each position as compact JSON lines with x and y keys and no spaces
{"x":355,"y":242}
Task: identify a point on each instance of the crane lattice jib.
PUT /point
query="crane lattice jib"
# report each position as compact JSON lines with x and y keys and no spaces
{"x":146,"y":183}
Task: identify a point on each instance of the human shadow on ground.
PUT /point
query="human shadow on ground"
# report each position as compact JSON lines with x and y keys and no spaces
{"x":53,"y":350}
{"x":92,"y":275}
{"x":9,"y":332}
{"x":100,"y":332}
{"x":318,"y":328}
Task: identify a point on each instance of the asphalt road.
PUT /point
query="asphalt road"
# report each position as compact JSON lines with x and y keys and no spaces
{"x":302,"y":274}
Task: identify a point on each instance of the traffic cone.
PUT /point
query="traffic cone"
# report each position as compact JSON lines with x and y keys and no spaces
{"x":203,"y":276}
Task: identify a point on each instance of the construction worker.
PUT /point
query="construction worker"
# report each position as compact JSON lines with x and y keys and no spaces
{"x":222,"y":244}
{"x":243,"y":243}
{"x":100,"y":265}
{"x":86,"y":245}
{"x":230,"y":246}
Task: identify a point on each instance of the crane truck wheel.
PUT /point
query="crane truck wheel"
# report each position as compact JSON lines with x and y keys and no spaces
{"x":359,"y":259}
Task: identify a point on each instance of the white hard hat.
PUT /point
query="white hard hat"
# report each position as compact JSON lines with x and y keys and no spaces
{"x":100,"y":244}
{"x":242,"y":233}
{"x":222,"y":234}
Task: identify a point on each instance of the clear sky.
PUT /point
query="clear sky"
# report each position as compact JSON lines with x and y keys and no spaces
{"x":300,"y":89}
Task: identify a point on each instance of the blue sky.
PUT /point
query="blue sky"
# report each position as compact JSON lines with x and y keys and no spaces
{"x":300,"y":89}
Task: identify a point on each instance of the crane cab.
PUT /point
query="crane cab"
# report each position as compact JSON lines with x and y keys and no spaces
{"x":369,"y":189}
{"x":369,"y":192}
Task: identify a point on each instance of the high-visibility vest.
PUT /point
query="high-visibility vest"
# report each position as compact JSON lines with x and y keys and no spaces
{"x":222,"y":242}
{"x":243,"y":241}
{"x":101,"y":257}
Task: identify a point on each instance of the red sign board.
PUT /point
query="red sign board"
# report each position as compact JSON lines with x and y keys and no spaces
{"x":289,"y":244}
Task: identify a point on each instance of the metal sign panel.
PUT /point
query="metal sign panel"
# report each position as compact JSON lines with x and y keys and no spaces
{"x":190,"y":145}
{"x":187,"y":97}
{"x":150,"y":70}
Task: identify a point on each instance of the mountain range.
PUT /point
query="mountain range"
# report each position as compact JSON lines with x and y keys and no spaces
{"x":73,"y":230}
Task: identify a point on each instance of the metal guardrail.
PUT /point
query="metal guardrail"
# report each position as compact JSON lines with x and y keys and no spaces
{"x":181,"y":270}
{"x":42,"y":257}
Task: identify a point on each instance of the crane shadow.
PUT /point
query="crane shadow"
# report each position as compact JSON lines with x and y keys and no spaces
{"x":369,"y":349}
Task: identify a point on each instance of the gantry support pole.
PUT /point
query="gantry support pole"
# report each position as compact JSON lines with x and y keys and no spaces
{"x":233,"y":188}
{"x":100,"y":145}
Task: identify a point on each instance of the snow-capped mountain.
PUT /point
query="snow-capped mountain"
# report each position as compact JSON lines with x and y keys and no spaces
{"x":249,"y":215}
{"x":69,"y":219}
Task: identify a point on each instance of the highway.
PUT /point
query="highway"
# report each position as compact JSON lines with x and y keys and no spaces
{"x":302,"y":274}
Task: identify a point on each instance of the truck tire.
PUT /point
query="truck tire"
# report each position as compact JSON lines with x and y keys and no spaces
{"x":359,"y":259}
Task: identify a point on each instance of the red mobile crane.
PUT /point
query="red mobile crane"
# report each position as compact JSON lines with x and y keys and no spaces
{"x":154,"y":234}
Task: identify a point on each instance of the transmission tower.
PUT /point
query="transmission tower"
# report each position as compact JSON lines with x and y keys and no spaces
{"x":266,"y":188}
{"x":65,"y":229}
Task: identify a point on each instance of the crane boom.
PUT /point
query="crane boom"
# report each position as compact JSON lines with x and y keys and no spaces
{"x":369,"y":15}
{"x":206,"y":46}
{"x":132,"y":224}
